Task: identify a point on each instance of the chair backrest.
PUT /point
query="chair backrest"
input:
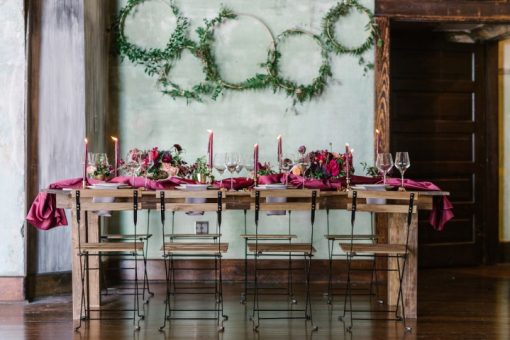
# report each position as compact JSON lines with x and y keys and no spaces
{"x":194,"y":201}
{"x":393,"y":201}
{"x":108,"y":199}
{"x":296,"y":199}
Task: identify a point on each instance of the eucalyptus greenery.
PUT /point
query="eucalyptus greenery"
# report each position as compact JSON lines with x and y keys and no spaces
{"x":154,"y":60}
{"x":299,"y":92}
{"x":159,"y":62}
{"x":342,"y":9}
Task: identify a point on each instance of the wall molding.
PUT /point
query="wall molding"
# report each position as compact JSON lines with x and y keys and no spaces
{"x":12,"y":288}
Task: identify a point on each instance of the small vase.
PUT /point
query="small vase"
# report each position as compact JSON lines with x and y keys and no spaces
{"x":99,"y":177}
{"x":201,"y":178}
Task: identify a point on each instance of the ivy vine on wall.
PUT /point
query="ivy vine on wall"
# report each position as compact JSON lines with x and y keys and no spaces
{"x":159,"y":62}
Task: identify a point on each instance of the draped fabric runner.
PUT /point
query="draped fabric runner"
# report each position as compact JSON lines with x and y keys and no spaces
{"x":45,"y":215}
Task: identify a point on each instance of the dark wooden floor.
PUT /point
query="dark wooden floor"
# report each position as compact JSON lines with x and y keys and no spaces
{"x":461,"y":303}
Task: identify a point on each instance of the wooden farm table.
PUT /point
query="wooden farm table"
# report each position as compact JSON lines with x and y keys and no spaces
{"x":390,"y":229}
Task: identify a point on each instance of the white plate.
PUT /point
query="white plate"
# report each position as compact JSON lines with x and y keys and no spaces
{"x":106,"y":185}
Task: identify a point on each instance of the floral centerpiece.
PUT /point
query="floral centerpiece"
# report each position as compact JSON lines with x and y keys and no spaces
{"x":99,"y":168}
{"x":156,"y":163}
{"x":323,"y":164}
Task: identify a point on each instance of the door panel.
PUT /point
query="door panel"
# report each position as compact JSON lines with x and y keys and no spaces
{"x":437,"y":115}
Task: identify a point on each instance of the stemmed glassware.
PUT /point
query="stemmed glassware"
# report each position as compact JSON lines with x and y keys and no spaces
{"x":240,"y":165}
{"x":384,"y":163}
{"x":302,"y":160}
{"x":286,"y":165}
{"x":402,"y":163}
{"x":219,"y":165}
{"x":133,"y":160}
{"x":231,"y":162}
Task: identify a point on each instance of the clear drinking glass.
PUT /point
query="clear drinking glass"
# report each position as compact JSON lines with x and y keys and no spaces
{"x":402,"y":163}
{"x":231,"y":161}
{"x":240,"y":165}
{"x":219,"y":165}
{"x":286,"y":165}
{"x":384,"y":163}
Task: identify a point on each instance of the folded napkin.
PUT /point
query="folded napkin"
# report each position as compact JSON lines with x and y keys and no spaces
{"x":237,"y":183}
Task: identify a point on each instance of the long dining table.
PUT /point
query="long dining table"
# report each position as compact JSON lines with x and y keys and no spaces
{"x":389,"y":227}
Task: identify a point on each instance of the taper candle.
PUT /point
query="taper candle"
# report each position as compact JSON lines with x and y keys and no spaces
{"x":256,"y":161}
{"x":116,"y":149}
{"x":85,"y":163}
{"x":377,"y":141}
{"x":279,"y":155}
{"x":210,"y":148}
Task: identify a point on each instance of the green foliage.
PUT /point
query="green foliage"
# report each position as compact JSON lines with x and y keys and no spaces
{"x":159,"y":62}
{"x":371,"y":171}
{"x":342,"y":9}
{"x":300,"y":92}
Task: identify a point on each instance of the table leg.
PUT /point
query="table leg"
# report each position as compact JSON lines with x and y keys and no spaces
{"x":90,"y":234}
{"x":397,"y":234}
{"x":94,"y":275}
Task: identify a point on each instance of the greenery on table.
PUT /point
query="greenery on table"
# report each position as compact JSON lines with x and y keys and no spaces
{"x":158,"y":62}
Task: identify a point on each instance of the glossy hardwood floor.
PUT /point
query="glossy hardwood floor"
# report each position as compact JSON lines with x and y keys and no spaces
{"x":460,"y":303}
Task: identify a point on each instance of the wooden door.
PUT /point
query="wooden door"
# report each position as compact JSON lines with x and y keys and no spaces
{"x":438,"y":114}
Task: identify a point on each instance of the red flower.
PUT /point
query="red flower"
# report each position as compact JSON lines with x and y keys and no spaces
{"x":333,"y":168}
{"x":154,"y":153}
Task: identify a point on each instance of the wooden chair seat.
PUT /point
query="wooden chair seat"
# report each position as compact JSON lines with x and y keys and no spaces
{"x":191,"y":236}
{"x":177,"y":247}
{"x":389,"y":249}
{"x":126,"y":236}
{"x":349,"y":236}
{"x":281,"y":248}
{"x":268,"y":236}
{"x":112,"y":247}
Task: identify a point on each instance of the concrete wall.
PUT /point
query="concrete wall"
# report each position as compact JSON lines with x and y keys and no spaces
{"x":344,"y":113}
{"x":12,"y":138}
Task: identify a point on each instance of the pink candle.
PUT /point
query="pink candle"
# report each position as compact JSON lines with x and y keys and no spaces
{"x":279,"y":156}
{"x":116,"y":164}
{"x":210,"y":149}
{"x":256,"y":160}
{"x":85,"y":162}
{"x":346,"y":148}
{"x":377,"y":141}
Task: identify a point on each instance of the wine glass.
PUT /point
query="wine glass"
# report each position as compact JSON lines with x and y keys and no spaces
{"x":384,"y":163}
{"x":231,"y":161}
{"x":219,"y":165}
{"x":402,"y":163}
{"x":286,"y":165}
{"x":240,"y":165}
{"x":303,"y":161}
{"x":133,"y":159}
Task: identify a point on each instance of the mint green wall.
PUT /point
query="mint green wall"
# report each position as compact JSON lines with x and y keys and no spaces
{"x":344,"y":113}
{"x":12,"y":138}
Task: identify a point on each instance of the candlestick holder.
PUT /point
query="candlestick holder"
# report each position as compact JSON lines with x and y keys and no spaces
{"x":84,"y":184}
{"x":348,"y":182}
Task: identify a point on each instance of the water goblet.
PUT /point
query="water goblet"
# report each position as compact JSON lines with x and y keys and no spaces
{"x":402,"y":163}
{"x":231,"y":161}
{"x":384,"y":163}
{"x":219,"y":165}
{"x":286,"y":165}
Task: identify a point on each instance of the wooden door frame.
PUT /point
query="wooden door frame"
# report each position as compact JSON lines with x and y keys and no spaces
{"x":387,"y":11}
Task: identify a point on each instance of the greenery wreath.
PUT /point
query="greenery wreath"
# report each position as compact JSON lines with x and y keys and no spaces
{"x":206,"y":39}
{"x":300,"y":92}
{"x":328,"y":30}
{"x":154,"y":60}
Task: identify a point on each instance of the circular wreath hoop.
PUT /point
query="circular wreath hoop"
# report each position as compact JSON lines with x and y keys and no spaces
{"x":300,"y":92}
{"x":153,"y":59}
{"x":206,"y":39}
{"x":171,"y":88}
{"x":335,"y":14}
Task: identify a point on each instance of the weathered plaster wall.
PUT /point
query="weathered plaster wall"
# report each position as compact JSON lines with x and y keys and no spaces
{"x":344,"y":113}
{"x":12,"y":138}
{"x":61,"y":115}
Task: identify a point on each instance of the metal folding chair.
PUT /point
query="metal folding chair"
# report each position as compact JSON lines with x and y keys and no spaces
{"x":123,"y":200}
{"x":264,"y":245}
{"x":188,"y":245}
{"x":395,"y":202}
